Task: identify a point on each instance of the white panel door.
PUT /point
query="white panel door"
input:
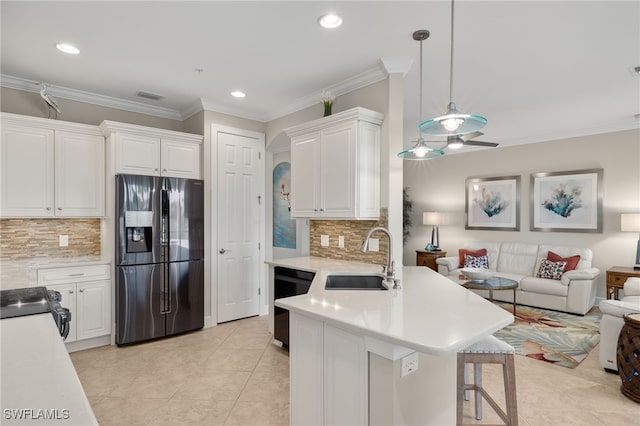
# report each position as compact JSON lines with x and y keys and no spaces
{"x":338,"y":171}
{"x":79,"y":174}
{"x":26,"y":159}
{"x":240,"y":197}
{"x":137,"y":154}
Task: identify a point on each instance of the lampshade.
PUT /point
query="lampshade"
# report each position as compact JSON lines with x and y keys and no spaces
{"x":630,"y":222}
{"x":432,"y":218}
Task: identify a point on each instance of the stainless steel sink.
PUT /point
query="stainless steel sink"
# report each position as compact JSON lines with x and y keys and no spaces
{"x":354,"y":282}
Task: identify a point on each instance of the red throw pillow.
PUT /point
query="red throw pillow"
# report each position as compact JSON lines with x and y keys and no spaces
{"x":476,"y":253}
{"x":572,"y":261}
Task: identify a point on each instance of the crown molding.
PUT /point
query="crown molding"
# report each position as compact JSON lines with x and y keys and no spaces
{"x":88,"y":97}
{"x":397,"y":64}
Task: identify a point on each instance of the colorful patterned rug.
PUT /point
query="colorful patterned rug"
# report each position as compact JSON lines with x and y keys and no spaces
{"x":554,"y":337}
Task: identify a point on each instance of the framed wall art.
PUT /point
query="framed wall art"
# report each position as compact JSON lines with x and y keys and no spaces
{"x":566,"y":201}
{"x":493,"y":203}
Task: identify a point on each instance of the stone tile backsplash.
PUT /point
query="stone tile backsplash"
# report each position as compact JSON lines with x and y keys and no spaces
{"x":354,"y":232}
{"x":26,"y":238}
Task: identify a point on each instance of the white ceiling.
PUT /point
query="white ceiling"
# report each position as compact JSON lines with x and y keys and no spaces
{"x":538,"y":70}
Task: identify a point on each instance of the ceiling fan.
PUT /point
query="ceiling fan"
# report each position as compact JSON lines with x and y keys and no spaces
{"x":458,"y":141}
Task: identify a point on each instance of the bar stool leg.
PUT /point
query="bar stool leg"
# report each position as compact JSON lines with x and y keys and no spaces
{"x":460,"y":379}
{"x":477,"y":379}
{"x":509,"y":373}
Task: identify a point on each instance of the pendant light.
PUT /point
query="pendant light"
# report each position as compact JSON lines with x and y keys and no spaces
{"x":453,"y":122}
{"x":420,"y":151}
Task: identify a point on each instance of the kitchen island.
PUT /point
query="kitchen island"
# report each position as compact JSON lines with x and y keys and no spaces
{"x":348,"y":347}
{"x":39,"y":382}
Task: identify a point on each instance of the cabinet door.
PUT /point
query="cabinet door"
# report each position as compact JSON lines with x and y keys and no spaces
{"x":137,"y":155}
{"x":79,"y":174}
{"x":180,"y":159}
{"x":93,"y":309}
{"x":27,"y":171}
{"x":68,"y":293}
{"x":337,"y":176}
{"x":346,"y":387}
{"x":307,"y":372}
{"x":305,"y":175}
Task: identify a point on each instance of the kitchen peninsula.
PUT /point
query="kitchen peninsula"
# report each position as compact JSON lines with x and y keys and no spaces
{"x":348,"y":347}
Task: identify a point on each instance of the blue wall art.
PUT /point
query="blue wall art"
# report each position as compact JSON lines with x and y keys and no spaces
{"x":284,"y":227}
{"x":493,"y":203}
{"x":567,"y":201}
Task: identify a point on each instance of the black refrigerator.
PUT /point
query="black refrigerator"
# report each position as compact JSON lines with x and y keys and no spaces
{"x":159,"y":257}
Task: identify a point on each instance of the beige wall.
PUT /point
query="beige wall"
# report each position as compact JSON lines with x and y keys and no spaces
{"x":27,"y":103}
{"x":439,"y":185}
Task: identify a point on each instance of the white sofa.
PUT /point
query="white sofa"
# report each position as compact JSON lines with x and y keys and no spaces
{"x":575,"y":292}
{"x":612,"y":321}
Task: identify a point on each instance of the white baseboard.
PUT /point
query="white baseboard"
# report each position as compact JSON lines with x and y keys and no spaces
{"x":598,"y":300}
{"x":209,"y":321}
{"x":80,"y":345}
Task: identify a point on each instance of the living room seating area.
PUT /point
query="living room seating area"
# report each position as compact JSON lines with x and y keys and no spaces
{"x":554,"y":277}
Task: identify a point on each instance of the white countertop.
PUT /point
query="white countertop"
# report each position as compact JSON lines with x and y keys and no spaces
{"x":430,"y":314}
{"x":23,"y":272}
{"x":37,"y":375}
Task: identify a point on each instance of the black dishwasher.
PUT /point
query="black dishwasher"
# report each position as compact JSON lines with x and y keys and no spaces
{"x":287,"y":282}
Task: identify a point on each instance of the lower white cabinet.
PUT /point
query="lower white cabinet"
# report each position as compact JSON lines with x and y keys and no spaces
{"x":87,"y":297}
{"x":326,"y":388}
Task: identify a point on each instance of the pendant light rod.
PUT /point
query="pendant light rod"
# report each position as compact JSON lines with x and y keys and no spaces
{"x":420,"y":36}
{"x":451,"y":59}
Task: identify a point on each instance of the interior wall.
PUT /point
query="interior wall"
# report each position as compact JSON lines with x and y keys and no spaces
{"x":439,"y":185}
{"x":28,"y":103}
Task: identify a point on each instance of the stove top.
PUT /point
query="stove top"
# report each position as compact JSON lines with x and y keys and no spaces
{"x":24,"y":301}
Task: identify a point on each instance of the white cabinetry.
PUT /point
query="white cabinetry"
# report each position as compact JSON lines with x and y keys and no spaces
{"x":329,"y":380}
{"x":148,"y":151}
{"x":86,"y":292}
{"x":335,"y":166}
{"x":51,"y":168}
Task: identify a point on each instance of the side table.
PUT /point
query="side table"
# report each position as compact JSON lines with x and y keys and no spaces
{"x":428,"y":258}
{"x":628,"y":356}
{"x":616,"y":277}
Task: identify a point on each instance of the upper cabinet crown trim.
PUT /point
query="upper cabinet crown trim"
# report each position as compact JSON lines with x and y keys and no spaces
{"x":47,"y":123}
{"x":109,"y":127}
{"x":357,"y":113}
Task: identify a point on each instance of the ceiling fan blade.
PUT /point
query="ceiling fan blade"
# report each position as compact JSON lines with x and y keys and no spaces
{"x":470,"y":136}
{"x":479,"y":143}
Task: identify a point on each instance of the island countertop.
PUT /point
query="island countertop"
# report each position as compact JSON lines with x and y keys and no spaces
{"x":39,"y":382}
{"x":430,"y":314}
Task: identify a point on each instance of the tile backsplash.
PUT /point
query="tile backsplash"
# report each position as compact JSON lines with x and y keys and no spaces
{"x":26,"y":238}
{"x":354,"y":232}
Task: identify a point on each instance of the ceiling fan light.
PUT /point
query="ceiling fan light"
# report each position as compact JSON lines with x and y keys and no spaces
{"x":451,"y":124}
{"x":456,"y":144}
{"x":420,"y":151}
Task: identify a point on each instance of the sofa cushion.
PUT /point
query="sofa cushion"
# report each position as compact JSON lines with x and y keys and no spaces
{"x":543,"y":285}
{"x":572,"y":261}
{"x":551,"y":270}
{"x":586,"y":255}
{"x":476,"y":253}
{"x":518,"y":258}
{"x":493,"y":250}
{"x":515,"y":277}
{"x":481,"y":262}
{"x":618,"y":308}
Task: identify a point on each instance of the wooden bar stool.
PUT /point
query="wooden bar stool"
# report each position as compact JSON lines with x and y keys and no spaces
{"x":489,"y":350}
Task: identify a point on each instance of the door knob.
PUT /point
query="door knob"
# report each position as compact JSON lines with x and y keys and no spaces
{"x":222,"y":251}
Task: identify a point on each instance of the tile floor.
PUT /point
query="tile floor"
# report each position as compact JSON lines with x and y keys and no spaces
{"x":232,"y":375}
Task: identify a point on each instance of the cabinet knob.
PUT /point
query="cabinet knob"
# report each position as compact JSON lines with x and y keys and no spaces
{"x":321,"y":210}
{"x":59,"y":208}
{"x":70,"y":291}
{"x":155,"y":170}
{"x":48,"y":208}
{"x":81,"y":290}
{"x":164,"y":170}
{"x":315,"y":210}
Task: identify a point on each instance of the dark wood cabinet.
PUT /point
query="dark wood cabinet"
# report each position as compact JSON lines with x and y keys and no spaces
{"x":428,"y":258}
{"x":616,"y":277}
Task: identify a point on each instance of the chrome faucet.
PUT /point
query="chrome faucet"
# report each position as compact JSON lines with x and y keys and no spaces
{"x":389,"y":270}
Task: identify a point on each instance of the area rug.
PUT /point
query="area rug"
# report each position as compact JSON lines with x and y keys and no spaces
{"x":554,"y":337}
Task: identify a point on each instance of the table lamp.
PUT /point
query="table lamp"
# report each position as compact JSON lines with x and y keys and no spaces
{"x":434,"y":219}
{"x":631,"y":222}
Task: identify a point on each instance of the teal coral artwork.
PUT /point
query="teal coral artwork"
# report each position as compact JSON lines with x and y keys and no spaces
{"x":493,"y":203}
{"x":284,"y":227}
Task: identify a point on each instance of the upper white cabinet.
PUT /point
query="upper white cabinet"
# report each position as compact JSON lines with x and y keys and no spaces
{"x":335,"y":166}
{"x":51,"y":168}
{"x":140,"y":150}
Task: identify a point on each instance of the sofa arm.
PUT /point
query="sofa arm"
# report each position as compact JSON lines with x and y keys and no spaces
{"x":580,"y":274}
{"x":447,"y":264}
{"x":632,"y":287}
{"x":617,"y":308}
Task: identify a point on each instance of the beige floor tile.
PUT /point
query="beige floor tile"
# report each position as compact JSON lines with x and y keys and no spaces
{"x":98,"y":382}
{"x":183,"y":357}
{"x":274,"y":359}
{"x":265,"y":387}
{"x":214,"y":385}
{"x":228,"y":359}
{"x":126,"y":411}
{"x":247,"y":340}
{"x":163,"y":384}
{"x":192,"y":412}
{"x":259,"y":413}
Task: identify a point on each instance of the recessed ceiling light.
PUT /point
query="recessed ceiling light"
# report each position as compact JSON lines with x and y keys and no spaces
{"x":238,"y":94}
{"x":68,"y":48}
{"x":330,"y":21}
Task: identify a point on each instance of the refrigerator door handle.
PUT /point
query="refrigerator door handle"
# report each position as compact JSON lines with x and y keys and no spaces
{"x":166,"y":289}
